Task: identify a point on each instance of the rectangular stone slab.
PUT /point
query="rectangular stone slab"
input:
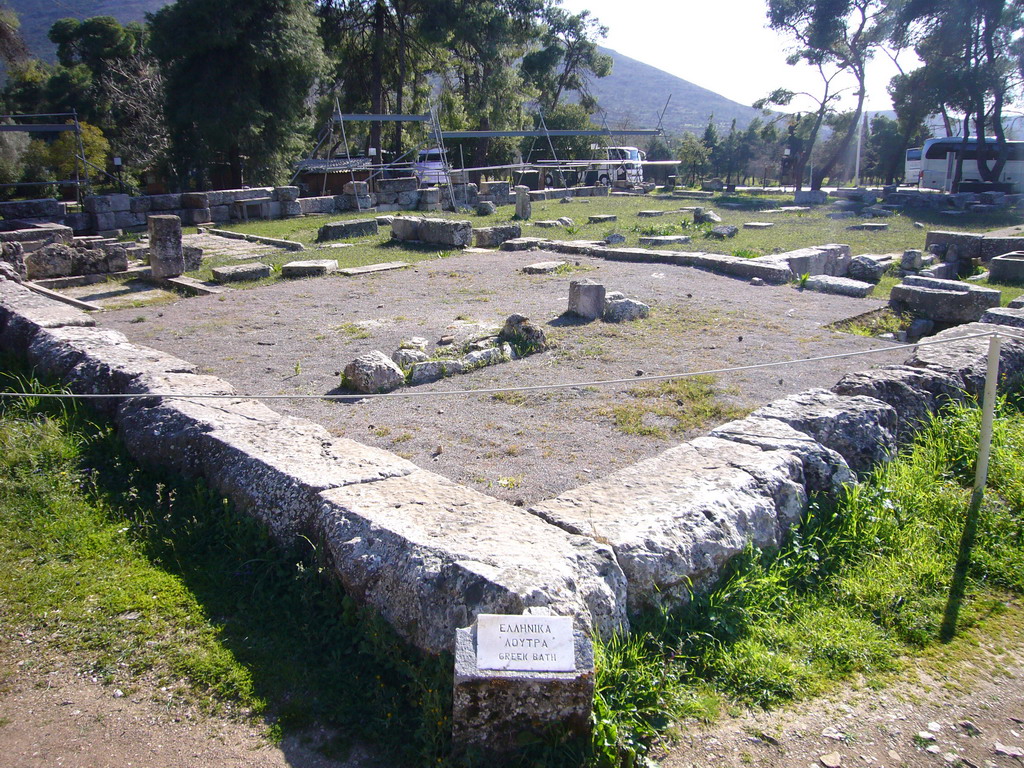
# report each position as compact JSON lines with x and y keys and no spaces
{"x":239,"y":272}
{"x":430,"y":555}
{"x":675,"y":520}
{"x":385,"y":266}
{"x":23,"y":312}
{"x":310,"y":268}
{"x":759,"y":225}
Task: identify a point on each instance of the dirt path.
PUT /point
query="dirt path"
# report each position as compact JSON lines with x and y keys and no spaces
{"x":52,"y":714}
{"x":963,"y":706}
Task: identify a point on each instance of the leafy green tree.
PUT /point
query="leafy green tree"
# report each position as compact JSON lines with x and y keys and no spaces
{"x":839,"y":34}
{"x":694,"y":156}
{"x":567,"y":58}
{"x":971,"y":51}
{"x":12,"y":47}
{"x":64,"y":155}
{"x":94,"y":42}
{"x":237,"y":77}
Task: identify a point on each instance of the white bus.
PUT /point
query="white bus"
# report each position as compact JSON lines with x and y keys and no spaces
{"x":939,"y":159}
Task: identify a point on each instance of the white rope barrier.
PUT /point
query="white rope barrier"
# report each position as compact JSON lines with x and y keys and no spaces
{"x":530,"y":388}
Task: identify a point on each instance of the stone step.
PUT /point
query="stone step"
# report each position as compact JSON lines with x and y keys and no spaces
{"x":385,"y":266}
{"x":310,"y":268}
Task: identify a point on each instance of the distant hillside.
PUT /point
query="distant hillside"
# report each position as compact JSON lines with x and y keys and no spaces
{"x":634,"y":94}
{"x":37,"y":16}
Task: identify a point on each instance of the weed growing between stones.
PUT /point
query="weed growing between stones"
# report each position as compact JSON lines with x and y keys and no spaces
{"x":139,"y":575}
{"x":861,"y":585}
{"x":874,"y":323}
{"x":672,"y":407}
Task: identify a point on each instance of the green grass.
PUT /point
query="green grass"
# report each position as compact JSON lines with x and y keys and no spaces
{"x":672,"y":407}
{"x":140,"y":575}
{"x":861,"y":588}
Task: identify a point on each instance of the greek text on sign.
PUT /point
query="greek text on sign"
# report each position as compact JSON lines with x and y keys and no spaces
{"x":525,"y":643}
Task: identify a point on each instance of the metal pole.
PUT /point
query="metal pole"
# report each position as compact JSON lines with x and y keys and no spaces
{"x":348,"y":158}
{"x":988,"y":409}
{"x":958,"y":587}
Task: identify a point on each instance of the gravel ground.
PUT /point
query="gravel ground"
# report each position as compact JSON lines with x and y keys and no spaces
{"x":296,"y":337}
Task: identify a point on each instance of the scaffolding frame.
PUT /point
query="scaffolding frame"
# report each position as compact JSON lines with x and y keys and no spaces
{"x":438,"y":136}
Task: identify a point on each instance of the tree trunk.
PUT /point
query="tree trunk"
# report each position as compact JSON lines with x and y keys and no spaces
{"x":377,"y":84}
{"x":844,"y":145}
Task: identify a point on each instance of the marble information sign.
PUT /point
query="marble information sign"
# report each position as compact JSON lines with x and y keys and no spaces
{"x":525,"y":643}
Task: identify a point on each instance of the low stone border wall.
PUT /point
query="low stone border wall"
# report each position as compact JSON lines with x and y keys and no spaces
{"x":431,"y":555}
{"x":288,"y":245}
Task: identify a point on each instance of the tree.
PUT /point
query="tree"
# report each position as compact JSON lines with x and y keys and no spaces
{"x":693,"y":157}
{"x":237,"y":77}
{"x":64,"y":156}
{"x":971,"y":51}
{"x":94,"y":42}
{"x":12,"y":47}
{"x":833,"y":33}
{"x":803,"y":132}
{"x":567,"y":59}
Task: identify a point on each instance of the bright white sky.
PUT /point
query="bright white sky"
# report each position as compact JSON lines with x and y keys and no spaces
{"x":722,"y":45}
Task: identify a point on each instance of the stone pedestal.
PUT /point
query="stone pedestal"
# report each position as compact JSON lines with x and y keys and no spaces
{"x":524,"y":208}
{"x":166,"y":258}
{"x":586,"y":299}
{"x":493,"y":710}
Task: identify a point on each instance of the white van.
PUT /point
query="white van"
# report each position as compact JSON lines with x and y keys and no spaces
{"x":430,"y":167}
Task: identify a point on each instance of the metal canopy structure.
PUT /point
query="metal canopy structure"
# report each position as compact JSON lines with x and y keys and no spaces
{"x":547,"y":133}
{"x":70,"y":125}
{"x":439,"y":136}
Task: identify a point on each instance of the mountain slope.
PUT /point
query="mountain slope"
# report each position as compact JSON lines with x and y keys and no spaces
{"x":37,"y":16}
{"x":634,"y":94}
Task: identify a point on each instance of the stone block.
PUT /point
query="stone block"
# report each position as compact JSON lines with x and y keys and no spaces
{"x":104,"y":222}
{"x":810,"y":197}
{"x":430,"y":555}
{"x":430,"y":196}
{"x":860,"y":429}
{"x":662,"y":240}
{"x":493,"y":710}
{"x":309,"y":268}
{"x":290,"y":210}
{"x":524,"y":206}
{"x":340,"y":230}
{"x":968,"y":245}
{"x":865,"y":269}
{"x":166,"y":258}
{"x":458,"y":234}
{"x":79,"y":222}
{"x":220,"y":213}
{"x":405,"y":228}
{"x":164,"y":202}
{"x":129,"y":220}
{"x":143,"y":204}
{"x":543,"y":267}
{"x":404,"y":184}
{"x":674,"y":521}
{"x":914,"y":393}
{"x":998,"y":246}
{"x":1008,"y":316}
{"x":195,"y":200}
{"x":409,"y":200}
{"x":586,"y":299}
{"x":286,"y":194}
{"x":912,"y":260}
{"x":840,"y":286}
{"x":46,"y":208}
{"x":23,"y":313}
{"x":967,"y":359}
{"x":492,"y":237}
{"x":373,"y":373}
{"x":199,"y":215}
{"x":356,"y":188}
{"x":1007,"y":268}
{"x":623,"y":310}
{"x":603,"y":218}
{"x":943,"y":301}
